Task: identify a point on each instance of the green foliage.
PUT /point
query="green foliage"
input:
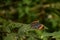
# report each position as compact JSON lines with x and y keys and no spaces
{"x":17,"y":15}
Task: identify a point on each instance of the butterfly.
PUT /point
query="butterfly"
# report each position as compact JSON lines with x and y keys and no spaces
{"x":37,"y":25}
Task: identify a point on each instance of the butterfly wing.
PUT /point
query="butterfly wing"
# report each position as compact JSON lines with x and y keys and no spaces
{"x":41,"y":27}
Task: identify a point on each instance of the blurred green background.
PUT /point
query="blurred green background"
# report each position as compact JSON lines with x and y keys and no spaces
{"x":17,"y":15}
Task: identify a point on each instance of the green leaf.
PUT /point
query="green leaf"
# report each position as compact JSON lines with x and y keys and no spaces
{"x":27,"y":2}
{"x":11,"y":36}
{"x":27,"y":10}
